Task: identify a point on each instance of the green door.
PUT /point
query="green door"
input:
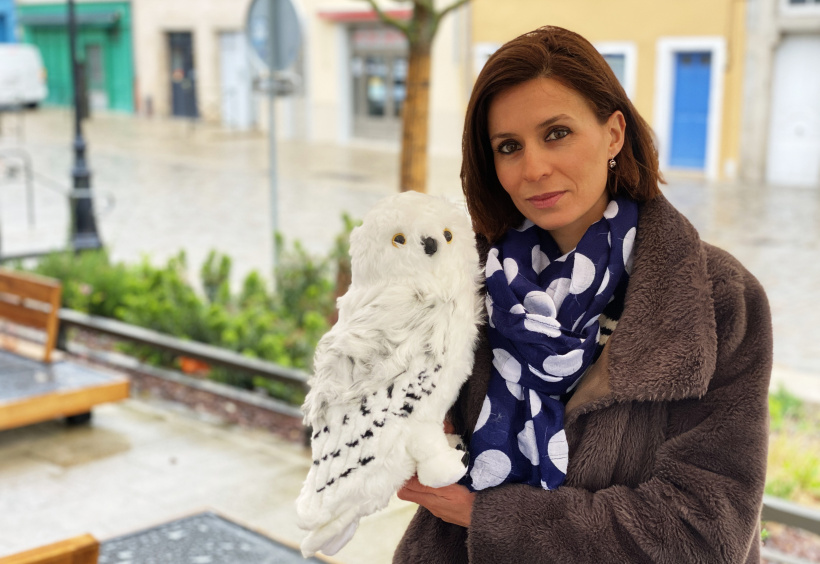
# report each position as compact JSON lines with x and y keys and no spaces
{"x":103,"y":47}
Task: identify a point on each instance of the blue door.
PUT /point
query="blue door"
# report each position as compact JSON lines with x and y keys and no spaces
{"x":690,"y":110}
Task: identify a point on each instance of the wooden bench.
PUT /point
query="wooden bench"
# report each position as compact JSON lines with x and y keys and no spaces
{"x":32,"y":387}
{"x":79,"y":550}
{"x":33,"y":301}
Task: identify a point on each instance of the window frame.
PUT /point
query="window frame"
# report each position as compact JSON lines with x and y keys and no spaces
{"x":811,"y":8}
{"x":629,"y":51}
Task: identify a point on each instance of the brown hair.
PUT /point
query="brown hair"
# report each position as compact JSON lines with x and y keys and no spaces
{"x":565,"y":56}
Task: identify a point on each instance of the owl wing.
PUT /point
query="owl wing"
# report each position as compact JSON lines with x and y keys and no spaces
{"x":358,"y":412}
{"x":369,"y":346}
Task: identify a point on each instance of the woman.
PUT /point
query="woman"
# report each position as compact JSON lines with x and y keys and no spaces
{"x":665,"y":422}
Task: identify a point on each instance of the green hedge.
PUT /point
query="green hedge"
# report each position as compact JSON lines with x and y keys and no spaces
{"x":281,"y":326}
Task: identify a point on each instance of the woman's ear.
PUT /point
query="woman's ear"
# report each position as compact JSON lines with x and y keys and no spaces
{"x":616,"y":125}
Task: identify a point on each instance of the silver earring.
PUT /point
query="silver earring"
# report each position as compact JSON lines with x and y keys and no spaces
{"x":612,"y":164}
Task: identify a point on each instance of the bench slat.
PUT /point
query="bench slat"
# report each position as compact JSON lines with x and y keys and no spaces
{"x":78,"y":550}
{"x":24,"y":315}
{"x":60,"y":404}
{"x":28,"y":285}
{"x":31,"y":288}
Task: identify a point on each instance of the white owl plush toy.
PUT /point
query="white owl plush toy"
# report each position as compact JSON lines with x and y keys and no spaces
{"x":387,"y":373}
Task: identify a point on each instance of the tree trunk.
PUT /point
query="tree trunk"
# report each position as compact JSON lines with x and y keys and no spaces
{"x":414,"y":120}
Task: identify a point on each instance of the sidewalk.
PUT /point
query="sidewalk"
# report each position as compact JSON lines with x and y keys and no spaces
{"x":140,"y":464}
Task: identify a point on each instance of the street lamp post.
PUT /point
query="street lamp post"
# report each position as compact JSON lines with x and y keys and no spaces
{"x":83,"y":225}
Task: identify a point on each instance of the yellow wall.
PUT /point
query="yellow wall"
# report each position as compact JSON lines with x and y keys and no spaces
{"x":642,"y":22}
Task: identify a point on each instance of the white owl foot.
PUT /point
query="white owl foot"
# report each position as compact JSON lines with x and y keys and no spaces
{"x":443,"y":469}
{"x":330,"y":538}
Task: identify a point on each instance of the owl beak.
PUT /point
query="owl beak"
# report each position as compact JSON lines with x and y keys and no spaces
{"x":430,"y":245}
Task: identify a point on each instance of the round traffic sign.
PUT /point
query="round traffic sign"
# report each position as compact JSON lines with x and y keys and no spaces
{"x":287,"y":32}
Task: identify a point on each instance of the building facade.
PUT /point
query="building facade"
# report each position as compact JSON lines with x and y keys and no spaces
{"x":356,"y":69}
{"x":681,"y":63}
{"x":104,"y":47}
{"x":781,"y":124}
{"x":193,"y":61}
{"x":349,"y":75}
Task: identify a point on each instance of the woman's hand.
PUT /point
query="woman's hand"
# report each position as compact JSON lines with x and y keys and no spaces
{"x":453,"y":504}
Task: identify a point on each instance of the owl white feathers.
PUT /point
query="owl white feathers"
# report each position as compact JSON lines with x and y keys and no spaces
{"x":386,"y":374}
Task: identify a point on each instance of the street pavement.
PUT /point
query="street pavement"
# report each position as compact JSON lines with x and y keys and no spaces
{"x":166,"y":185}
{"x":141,"y":464}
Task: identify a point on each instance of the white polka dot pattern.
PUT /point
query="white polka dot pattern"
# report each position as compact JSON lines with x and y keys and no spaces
{"x":490,"y":468}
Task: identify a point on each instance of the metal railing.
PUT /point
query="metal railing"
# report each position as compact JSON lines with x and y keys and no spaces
{"x":200,"y":351}
{"x":790,"y":514}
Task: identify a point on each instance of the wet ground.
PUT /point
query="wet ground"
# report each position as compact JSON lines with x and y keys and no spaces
{"x":163,"y":185}
{"x":141,"y":465}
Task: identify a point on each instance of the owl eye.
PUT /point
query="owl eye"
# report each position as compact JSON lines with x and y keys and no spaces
{"x":398,"y":240}
{"x":448,"y":235}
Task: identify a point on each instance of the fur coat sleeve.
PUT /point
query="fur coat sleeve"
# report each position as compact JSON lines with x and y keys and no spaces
{"x":667,"y":433}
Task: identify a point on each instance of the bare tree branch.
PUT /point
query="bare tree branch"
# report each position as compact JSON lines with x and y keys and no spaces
{"x":450,"y":8}
{"x":401,"y":26}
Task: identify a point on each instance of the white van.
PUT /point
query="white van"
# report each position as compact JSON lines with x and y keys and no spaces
{"x":22,"y":75}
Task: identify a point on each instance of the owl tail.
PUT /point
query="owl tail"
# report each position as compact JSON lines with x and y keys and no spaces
{"x":332,"y":536}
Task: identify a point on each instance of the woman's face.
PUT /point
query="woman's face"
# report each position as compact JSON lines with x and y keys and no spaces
{"x":551,"y":156}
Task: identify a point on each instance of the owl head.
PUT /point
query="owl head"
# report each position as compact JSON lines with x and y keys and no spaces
{"x":411,"y":235}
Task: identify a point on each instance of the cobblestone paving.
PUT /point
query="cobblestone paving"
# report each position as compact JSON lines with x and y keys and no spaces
{"x":162,"y":186}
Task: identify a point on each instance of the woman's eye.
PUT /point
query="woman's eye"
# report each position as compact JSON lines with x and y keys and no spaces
{"x":448,"y":235}
{"x":508,"y":147}
{"x":398,"y":240}
{"x":556,"y":134}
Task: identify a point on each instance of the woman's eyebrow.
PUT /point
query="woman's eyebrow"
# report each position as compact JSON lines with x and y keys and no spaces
{"x":546,"y":123}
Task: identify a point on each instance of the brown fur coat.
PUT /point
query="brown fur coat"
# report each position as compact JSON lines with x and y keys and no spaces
{"x":667,"y":433}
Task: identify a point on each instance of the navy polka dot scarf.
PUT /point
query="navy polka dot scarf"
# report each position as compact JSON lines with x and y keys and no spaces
{"x":543,"y":311}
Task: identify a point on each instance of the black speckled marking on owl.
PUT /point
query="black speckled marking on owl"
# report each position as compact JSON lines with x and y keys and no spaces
{"x":415,"y":391}
{"x":363,"y":407}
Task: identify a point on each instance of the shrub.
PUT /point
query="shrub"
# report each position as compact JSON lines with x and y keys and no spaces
{"x":794,"y":449}
{"x":281,"y":326}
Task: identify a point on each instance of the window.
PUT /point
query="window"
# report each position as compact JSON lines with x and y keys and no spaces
{"x":800,"y":7}
{"x":378,"y":64}
{"x":618,"y":64}
{"x":622,"y":58}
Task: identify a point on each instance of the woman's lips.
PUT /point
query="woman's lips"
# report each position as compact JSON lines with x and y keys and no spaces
{"x":544,"y":201}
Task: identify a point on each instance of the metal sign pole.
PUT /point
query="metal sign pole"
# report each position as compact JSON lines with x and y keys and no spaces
{"x":272,"y":164}
{"x":273,"y":32}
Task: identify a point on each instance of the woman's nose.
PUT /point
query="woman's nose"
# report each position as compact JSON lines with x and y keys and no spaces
{"x":536,"y":164}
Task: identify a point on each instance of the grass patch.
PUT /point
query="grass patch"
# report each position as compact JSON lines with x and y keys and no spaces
{"x":794,"y":449}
